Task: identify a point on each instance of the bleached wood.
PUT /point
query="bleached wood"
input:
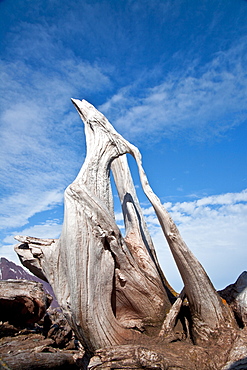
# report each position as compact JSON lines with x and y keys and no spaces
{"x":208,"y":311}
{"x":110,"y":287}
{"x":171,"y":317}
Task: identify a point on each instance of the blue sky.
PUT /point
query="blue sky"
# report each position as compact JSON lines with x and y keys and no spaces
{"x":170,"y":75}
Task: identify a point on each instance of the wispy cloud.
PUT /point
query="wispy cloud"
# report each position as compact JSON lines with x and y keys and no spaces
{"x":202,"y":100}
{"x":48,"y":229}
{"x":21,"y":206}
{"x":42,"y":141}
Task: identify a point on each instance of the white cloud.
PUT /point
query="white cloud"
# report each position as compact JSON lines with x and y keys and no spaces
{"x":18,"y":208}
{"x":215,"y":229}
{"x":48,"y":229}
{"x":224,"y":199}
{"x":204,"y":100}
{"x":118,"y":216}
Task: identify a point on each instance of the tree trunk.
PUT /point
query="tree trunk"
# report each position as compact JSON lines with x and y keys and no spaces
{"x":110,"y":287}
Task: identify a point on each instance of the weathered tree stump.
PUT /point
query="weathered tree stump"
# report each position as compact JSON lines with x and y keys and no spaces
{"x":110,"y":286}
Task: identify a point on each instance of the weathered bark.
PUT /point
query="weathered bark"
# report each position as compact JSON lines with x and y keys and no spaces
{"x":171,"y":317}
{"x":34,"y":361}
{"x":174,"y":356}
{"x":56,"y":327}
{"x":22,"y":302}
{"x":111,"y":287}
{"x":30,"y":253}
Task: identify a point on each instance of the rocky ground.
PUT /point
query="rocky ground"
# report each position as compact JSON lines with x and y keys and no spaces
{"x":49,"y":344}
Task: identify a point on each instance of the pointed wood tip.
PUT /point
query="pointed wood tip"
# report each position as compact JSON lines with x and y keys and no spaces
{"x":83,"y":107}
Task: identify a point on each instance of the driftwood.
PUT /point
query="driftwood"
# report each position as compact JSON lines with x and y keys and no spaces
{"x":34,"y":361}
{"x":55,"y":326}
{"x":22,"y":302}
{"x":46,"y":345}
{"x":110,"y":286}
{"x":174,"y":356}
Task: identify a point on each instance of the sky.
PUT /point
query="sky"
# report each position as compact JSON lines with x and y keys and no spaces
{"x":170,"y":75}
